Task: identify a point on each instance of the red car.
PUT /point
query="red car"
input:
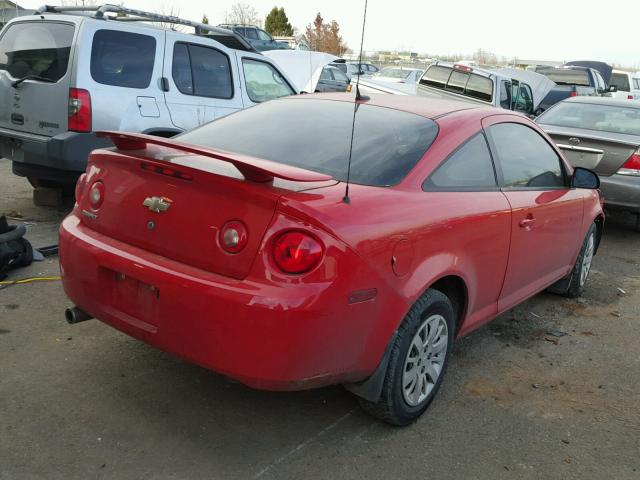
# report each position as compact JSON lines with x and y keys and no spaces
{"x":237,"y":246}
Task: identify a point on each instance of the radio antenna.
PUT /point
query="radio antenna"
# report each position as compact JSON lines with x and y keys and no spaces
{"x":346,"y":198}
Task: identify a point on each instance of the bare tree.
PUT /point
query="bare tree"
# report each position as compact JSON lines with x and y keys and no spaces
{"x":78,"y":3}
{"x":242,"y":14}
{"x":170,"y":12}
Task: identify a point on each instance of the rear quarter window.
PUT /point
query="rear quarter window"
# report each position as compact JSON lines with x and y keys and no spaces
{"x":122,"y":59}
{"x":36,"y":48}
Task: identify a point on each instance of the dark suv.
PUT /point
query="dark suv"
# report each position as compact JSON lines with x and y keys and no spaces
{"x":258,"y":38}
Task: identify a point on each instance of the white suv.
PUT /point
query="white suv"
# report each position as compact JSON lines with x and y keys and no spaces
{"x":628,"y":85}
{"x":66,"y":72}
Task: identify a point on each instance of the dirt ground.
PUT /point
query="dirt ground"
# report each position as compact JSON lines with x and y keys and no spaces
{"x":521,"y":399}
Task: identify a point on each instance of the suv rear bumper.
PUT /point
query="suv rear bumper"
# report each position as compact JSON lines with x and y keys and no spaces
{"x":61,"y":158}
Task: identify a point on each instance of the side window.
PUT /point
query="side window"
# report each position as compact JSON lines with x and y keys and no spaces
{"x":122,"y":59}
{"x":525,"y":99}
{"x":210,"y":72}
{"x":469,"y":168}
{"x":505,"y":94}
{"x":263,"y":81}
{"x":181,"y":69}
{"x":526,"y":160}
{"x":326,"y":74}
{"x":251,"y":33}
{"x":636,"y":83}
{"x":339,"y":76}
{"x":262,"y":35}
{"x":600,"y":85}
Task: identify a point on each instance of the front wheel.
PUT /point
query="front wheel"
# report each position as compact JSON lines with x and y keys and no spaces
{"x":418,"y":361}
{"x":573,"y":285}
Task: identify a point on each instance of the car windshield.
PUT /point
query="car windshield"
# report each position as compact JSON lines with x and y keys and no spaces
{"x":393,"y":73}
{"x":315,"y":135}
{"x":567,"y":76}
{"x":603,"y":118}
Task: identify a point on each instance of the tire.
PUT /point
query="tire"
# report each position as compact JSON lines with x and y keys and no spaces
{"x":399,"y":403}
{"x":572,"y":286}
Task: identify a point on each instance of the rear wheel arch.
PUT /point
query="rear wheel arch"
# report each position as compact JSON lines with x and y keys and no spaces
{"x":455,"y":289}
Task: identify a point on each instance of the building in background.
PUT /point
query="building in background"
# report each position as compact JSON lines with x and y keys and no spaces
{"x":9,"y":10}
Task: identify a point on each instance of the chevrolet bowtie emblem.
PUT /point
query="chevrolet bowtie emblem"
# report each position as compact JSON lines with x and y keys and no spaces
{"x":157,"y":204}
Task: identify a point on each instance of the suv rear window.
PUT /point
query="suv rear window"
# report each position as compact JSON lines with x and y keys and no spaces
{"x":567,"y":76}
{"x":36,"y":48}
{"x":621,"y":81}
{"x":122,"y":59}
{"x":299,"y":138}
{"x":458,"y":81}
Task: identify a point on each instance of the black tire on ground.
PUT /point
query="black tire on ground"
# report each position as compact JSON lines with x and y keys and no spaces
{"x":572,"y":286}
{"x":392,"y":406}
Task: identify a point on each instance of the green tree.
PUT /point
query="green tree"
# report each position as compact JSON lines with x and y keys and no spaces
{"x":277,"y":23}
{"x":205,"y":19}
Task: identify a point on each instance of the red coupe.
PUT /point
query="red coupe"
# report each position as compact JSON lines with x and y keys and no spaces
{"x":237,"y":245}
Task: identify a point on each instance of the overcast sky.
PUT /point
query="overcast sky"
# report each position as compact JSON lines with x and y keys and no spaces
{"x":541,"y":30}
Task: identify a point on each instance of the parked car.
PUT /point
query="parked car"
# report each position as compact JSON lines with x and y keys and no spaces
{"x":66,"y":75}
{"x":351,"y":68}
{"x":602,"y":134}
{"x":627,"y":85}
{"x":573,"y":81}
{"x":398,"y":74}
{"x":257,"y":37}
{"x":294,"y":282}
{"x":332,"y":79}
{"x":506,"y":88}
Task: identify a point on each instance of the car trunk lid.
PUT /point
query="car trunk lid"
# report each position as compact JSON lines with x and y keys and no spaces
{"x":201,"y":191}
{"x":605,"y":153}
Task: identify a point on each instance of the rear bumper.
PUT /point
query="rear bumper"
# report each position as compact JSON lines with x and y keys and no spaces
{"x":621,"y":192}
{"x":266,"y":335}
{"x":61,"y":158}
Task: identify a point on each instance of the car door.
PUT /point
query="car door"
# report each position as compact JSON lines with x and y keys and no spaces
{"x":546,"y":211}
{"x":261,"y":80}
{"x":202,"y":81}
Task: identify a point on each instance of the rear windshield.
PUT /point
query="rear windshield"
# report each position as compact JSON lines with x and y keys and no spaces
{"x":459,"y":81}
{"x":315,"y":135}
{"x":604,"y":118}
{"x":392,"y":73}
{"x":620,"y":81}
{"x":36,"y":49}
{"x":567,"y":76}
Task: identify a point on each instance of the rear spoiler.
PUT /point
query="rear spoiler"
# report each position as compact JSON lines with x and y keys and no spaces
{"x":254,"y":169}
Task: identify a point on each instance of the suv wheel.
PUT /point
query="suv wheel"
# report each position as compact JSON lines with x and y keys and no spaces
{"x":418,"y":361}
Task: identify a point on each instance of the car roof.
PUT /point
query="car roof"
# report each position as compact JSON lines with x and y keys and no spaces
{"x":615,"y":102}
{"x":431,"y":108}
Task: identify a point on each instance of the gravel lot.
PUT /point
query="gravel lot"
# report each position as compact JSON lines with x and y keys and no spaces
{"x":86,"y":401}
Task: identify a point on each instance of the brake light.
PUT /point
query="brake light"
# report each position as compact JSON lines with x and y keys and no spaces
{"x":96,"y":195}
{"x":573,"y":94}
{"x":296,"y":252}
{"x":233,"y":236}
{"x":80,"y":184}
{"x":170,"y":172}
{"x":631,"y":166}
{"x":463,"y":68}
{"x":629,"y":97}
{"x":79,"y":110}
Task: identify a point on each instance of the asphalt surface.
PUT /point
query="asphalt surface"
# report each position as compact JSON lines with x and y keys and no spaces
{"x":85,"y":401}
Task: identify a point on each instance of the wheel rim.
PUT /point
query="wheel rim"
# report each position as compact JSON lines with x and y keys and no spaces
{"x":425,"y":360}
{"x":586,"y":261}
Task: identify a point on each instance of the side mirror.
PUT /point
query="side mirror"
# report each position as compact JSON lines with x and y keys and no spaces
{"x":613,"y":89}
{"x":585,"y":178}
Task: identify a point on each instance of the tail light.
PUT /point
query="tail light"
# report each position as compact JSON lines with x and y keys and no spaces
{"x":80,"y":184}
{"x":79,"y":110}
{"x":296,"y":252}
{"x":573,"y":94}
{"x":629,"y":97}
{"x":96,"y":195}
{"x":631,"y":166}
{"x":233,"y":236}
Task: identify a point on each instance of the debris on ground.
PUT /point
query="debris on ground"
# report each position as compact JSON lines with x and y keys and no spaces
{"x":557,"y":333}
{"x":623,"y":292}
{"x":555,"y":341}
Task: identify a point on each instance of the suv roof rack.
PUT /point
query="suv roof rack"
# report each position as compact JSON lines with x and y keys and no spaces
{"x":222,"y":35}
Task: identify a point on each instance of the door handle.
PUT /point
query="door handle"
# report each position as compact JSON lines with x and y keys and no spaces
{"x":527,"y":222}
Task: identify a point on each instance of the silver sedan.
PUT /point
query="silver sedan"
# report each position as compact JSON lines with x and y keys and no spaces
{"x":602,"y":134}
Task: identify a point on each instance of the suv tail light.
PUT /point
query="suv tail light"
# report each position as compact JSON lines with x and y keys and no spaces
{"x":79,"y":110}
{"x":629,"y":97}
{"x":96,"y":195}
{"x":631,"y":166}
{"x":296,"y":252}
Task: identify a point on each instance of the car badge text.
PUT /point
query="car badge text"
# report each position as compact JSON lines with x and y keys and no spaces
{"x":157,"y":204}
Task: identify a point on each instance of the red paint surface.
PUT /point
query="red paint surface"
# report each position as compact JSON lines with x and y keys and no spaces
{"x":174,"y":286}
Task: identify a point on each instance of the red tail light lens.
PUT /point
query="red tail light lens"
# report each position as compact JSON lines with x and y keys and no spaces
{"x":573,"y":94}
{"x":80,"y":184}
{"x":631,"y":166}
{"x":79,"y":110}
{"x":96,"y":195}
{"x":296,"y":252}
{"x":234,"y":236}
{"x":629,"y":97}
